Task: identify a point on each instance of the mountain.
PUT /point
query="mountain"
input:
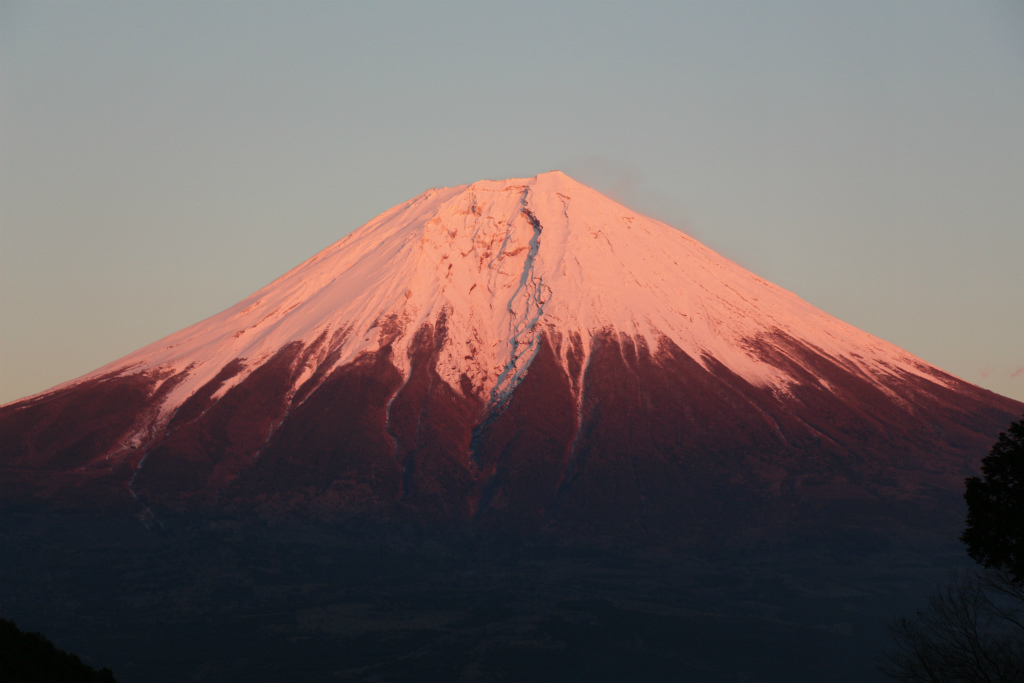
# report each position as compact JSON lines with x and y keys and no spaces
{"x":520,"y":355}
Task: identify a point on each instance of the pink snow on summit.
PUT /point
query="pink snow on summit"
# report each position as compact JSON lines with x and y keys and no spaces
{"x":503,"y":262}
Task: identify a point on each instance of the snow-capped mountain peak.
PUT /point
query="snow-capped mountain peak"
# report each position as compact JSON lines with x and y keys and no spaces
{"x":501,"y":263}
{"x":525,"y":353}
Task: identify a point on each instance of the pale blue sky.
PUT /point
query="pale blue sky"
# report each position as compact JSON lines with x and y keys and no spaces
{"x":160,"y":161}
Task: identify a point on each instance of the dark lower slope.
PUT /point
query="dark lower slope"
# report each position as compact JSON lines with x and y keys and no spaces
{"x":667,"y":448}
{"x":522,"y":453}
{"x":55,"y":447}
{"x":430,"y":427}
{"x":197,"y":457}
{"x":659,"y":448}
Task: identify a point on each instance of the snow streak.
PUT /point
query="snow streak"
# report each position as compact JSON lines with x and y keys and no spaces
{"x":525,"y":308}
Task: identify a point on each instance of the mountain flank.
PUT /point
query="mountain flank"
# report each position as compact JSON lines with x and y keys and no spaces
{"x":524,"y":356}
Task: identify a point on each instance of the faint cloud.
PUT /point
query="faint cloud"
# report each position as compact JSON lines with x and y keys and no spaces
{"x":1019,"y":372}
{"x":628,"y":184}
{"x":984,"y":372}
{"x":618,"y":180}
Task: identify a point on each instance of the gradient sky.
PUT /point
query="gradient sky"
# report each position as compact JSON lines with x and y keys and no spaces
{"x":160,"y":161}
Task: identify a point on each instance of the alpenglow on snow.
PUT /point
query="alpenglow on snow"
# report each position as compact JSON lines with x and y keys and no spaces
{"x":523,"y":352}
{"x":502,"y":262}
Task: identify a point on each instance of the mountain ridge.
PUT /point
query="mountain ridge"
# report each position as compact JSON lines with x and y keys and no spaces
{"x":436,"y":237}
{"x":522,"y":353}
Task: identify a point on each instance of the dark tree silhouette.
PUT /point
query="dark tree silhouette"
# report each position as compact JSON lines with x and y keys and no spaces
{"x":972,"y":630}
{"x":995,"y":506}
{"x":31,"y":658}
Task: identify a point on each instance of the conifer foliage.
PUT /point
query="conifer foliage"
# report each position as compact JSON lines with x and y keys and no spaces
{"x":972,"y":630}
{"x":995,"y":504}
